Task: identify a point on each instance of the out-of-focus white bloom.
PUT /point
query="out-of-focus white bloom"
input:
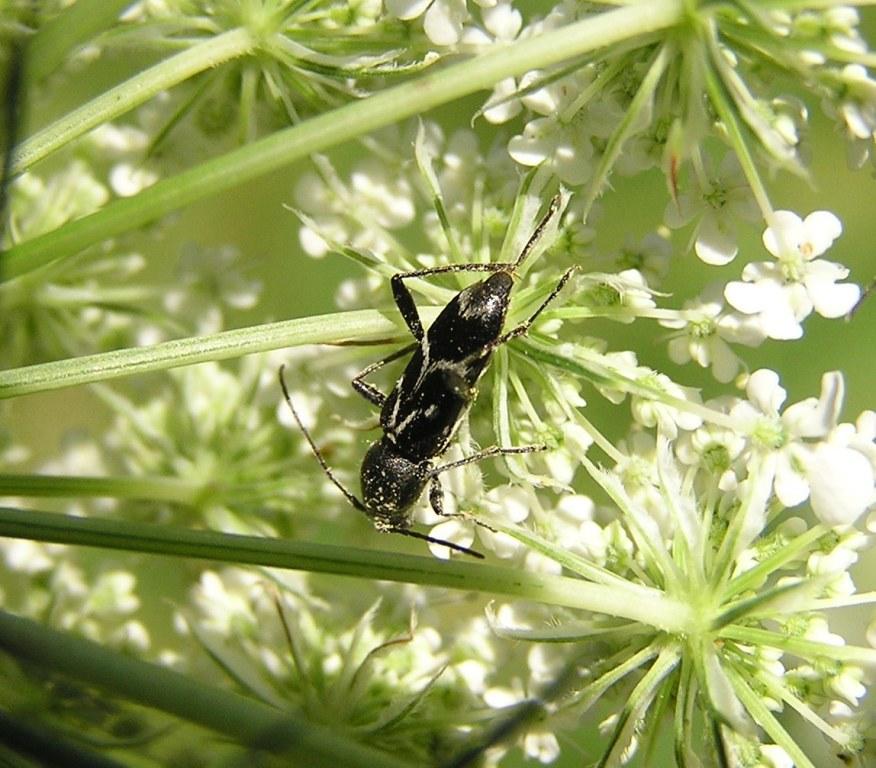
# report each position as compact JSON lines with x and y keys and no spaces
{"x":719,"y":204}
{"x":776,"y":756}
{"x":128,"y":180}
{"x":650,"y":256}
{"x":209,"y":280}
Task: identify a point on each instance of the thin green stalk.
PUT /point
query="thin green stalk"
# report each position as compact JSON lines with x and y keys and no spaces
{"x":347,"y":122}
{"x":171,"y":489}
{"x":338,"y":328}
{"x":658,"y":611}
{"x":254,"y":724}
{"x":73,"y":26}
{"x":805,"y":649}
{"x":724,"y":107}
{"x":599,"y":371}
{"x":131,"y":93}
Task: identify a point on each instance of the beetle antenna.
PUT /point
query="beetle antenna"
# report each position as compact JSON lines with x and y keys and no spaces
{"x":538,"y":231}
{"x":433,"y":540}
{"x":316,"y":452}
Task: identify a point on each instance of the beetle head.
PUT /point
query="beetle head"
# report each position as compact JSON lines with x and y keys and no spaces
{"x":391,"y":485}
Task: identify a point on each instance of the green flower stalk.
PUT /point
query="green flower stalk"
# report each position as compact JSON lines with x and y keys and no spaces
{"x":671,"y":577}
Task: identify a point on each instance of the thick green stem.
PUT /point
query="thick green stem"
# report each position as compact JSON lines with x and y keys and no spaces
{"x":131,"y":93}
{"x":171,"y":489}
{"x":348,"y":122}
{"x":254,"y":724}
{"x":363,"y":326}
{"x":658,"y":611}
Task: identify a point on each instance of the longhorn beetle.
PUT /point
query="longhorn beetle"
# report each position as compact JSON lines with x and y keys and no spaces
{"x":439,"y":384}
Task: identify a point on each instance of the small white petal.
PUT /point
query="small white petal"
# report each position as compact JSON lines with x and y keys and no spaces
{"x":715,"y":245}
{"x":407,"y":9}
{"x":725,"y":363}
{"x":455,"y":531}
{"x":502,"y":21}
{"x":530,"y":148}
{"x":791,"y":487}
{"x":543,"y":746}
{"x":821,"y":228}
{"x":764,"y":391}
{"x":836,"y":300}
{"x":443,"y":21}
{"x":785,"y":233}
{"x":842,"y":484}
{"x":748,"y":298}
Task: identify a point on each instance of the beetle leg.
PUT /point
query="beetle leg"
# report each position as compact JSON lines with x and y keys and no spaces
{"x":436,"y":496}
{"x":488,"y":453}
{"x":537,"y":232}
{"x":371,"y":393}
{"x":405,"y":302}
{"x":521,"y":329}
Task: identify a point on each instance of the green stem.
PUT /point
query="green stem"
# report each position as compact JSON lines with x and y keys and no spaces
{"x":254,"y":724}
{"x":805,"y":649}
{"x":75,"y":25}
{"x":593,"y":366}
{"x":658,"y":611}
{"x":724,"y":107}
{"x":363,"y":326}
{"x":171,"y":489}
{"x":348,"y":122}
{"x":752,"y":579}
{"x":131,"y":93}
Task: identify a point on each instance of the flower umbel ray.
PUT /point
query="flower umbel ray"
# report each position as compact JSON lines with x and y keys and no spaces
{"x":723,"y":582}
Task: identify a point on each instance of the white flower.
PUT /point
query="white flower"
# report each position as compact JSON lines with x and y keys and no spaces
{"x":128,"y":179}
{"x":776,"y":756}
{"x":784,"y":292}
{"x":502,"y":106}
{"x":623,"y":294}
{"x":560,"y":146}
{"x":719,"y":203}
{"x":509,"y":503}
{"x":112,"y":594}
{"x":837,"y":479}
{"x":651,"y":412}
{"x":708,"y":333}
{"x":713,"y":448}
{"x":559,"y":141}
{"x":501,"y":23}
{"x":208,"y":280}
{"x":355,"y":213}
